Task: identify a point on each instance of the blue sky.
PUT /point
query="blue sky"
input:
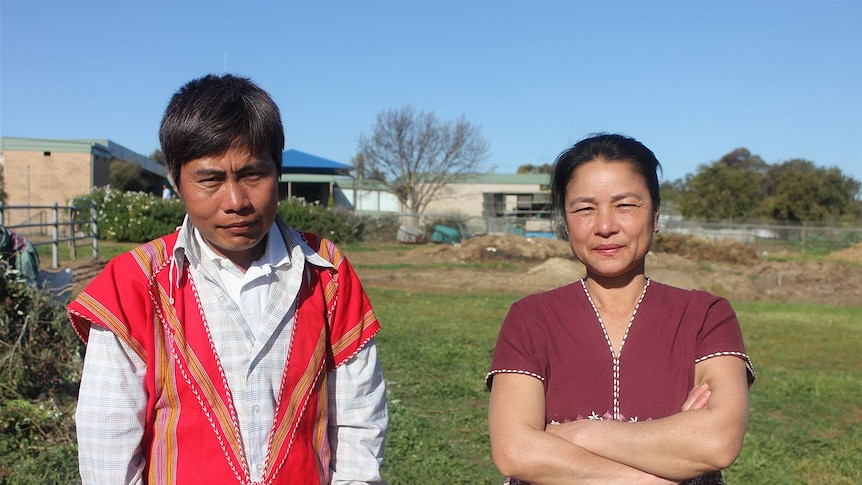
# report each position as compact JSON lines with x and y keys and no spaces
{"x":692,"y":80}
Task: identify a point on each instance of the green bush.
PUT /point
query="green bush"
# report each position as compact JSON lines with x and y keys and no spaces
{"x":141,"y":217}
{"x":133,"y":216}
{"x":40,"y":365}
{"x":336,"y":224}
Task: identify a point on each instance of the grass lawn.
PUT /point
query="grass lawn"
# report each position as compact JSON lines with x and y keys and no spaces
{"x":435,"y":348}
{"x":107,"y":250}
{"x":806,"y":420}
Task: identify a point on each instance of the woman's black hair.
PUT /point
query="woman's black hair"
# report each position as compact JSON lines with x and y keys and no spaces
{"x":609,"y":147}
{"x":210,"y":115}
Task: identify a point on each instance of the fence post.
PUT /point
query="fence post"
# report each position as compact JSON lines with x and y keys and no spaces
{"x":73,"y":242}
{"x":94,"y":229}
{"x":55,"y":243}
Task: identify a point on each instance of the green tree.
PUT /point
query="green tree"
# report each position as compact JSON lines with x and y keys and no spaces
{"x":671,"y":193}
{"x":418,"y":155}
{"x":158,"y":156}
{"x":127,"y":176}
{"x":530,"y":168}
{"x":799,"y":191}
{"x":742,"y":159}
{"x":728,"y":189}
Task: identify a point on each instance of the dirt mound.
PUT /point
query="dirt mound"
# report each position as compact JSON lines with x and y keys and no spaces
{"x":537,"y":264}
{"x":723,"y":251}
{"x":491,"y":247}
{"x":852,"y":254}
{"x":552,"y":273}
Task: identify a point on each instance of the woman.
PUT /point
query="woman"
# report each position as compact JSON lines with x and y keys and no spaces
{"x":616,"y":378}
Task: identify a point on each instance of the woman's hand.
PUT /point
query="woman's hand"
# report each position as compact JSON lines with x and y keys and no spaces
{"x":522,"y":447}
{"x":705,"y":436}
{"x":698,"y":398}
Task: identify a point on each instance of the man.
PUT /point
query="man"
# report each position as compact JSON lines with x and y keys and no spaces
{"x":236,"y":350}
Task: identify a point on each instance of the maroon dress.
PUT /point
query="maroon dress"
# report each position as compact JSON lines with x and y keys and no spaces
{"x":556,"y":337}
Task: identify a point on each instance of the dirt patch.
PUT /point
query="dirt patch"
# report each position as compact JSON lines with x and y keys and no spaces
{"x":500,"y":247}
{"x":724,"y":268}
{"x":852,"y":254}
{"x":520,"y":266}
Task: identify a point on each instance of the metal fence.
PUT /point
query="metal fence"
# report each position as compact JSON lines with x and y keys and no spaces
{"x":771,"y":238}
{"x":54,"y":224}
{"x":766,"y":238}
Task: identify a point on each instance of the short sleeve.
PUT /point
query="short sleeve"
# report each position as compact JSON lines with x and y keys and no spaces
{"x":516,"y":350}
{"x":721,"y":335}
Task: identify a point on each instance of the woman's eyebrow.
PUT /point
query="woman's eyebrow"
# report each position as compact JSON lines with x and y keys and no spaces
{"x":625,"y":195}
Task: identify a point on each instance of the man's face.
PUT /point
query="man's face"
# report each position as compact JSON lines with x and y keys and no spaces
{"x":232,"y":199}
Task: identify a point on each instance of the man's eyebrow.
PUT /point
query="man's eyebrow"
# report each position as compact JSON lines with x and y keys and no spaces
{"x":255,"y":166}
{"x":207,"y":172}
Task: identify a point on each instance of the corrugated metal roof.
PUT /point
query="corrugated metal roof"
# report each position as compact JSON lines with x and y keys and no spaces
{"x":345,"y":182}
{"x":49,"y":145}
{"x":309,"y":177}
{"x":295,"y":161}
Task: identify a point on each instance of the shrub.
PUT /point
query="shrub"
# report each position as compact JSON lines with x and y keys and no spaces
{"x":141,"y":217}
{"x":40,"y":363}
{"x":134,"y":216}
{"x":381,"y":228}
{"x":336,"y":224}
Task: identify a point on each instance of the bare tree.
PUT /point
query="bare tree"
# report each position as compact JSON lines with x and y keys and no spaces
{"x":418,"y":155}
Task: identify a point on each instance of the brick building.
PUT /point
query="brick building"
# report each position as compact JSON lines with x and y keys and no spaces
{"x":41,"y":172}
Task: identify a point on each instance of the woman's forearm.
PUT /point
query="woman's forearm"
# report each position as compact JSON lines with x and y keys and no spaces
{"x":697,"y":440}
{"x":522,"y":449}
{"x":540,"y":458}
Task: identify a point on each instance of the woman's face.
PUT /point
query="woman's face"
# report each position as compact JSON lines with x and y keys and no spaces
{"x":610,"y":218}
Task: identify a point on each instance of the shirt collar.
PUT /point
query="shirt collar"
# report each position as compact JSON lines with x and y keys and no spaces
{"x":274,"y":255}
{"x":282,"y":242}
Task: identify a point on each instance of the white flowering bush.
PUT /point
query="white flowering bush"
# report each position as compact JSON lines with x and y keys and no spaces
{"x":134,"y":216}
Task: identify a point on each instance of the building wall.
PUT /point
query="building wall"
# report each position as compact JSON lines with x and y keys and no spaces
{"x":56,"y":177}
{"x":467,"y":199}
{"x":370,"y":200}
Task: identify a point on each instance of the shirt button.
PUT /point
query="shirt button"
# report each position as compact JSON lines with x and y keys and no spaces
{"x":247,"y":311}
{"x":256,"y":409}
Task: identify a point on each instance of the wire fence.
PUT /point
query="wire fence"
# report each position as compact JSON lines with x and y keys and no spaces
{"x":766,"y":238}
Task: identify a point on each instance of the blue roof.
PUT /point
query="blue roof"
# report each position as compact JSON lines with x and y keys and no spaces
{"x":295,"y":161}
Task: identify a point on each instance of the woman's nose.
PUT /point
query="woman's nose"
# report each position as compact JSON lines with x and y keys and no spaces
{"x":606,"y":223}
